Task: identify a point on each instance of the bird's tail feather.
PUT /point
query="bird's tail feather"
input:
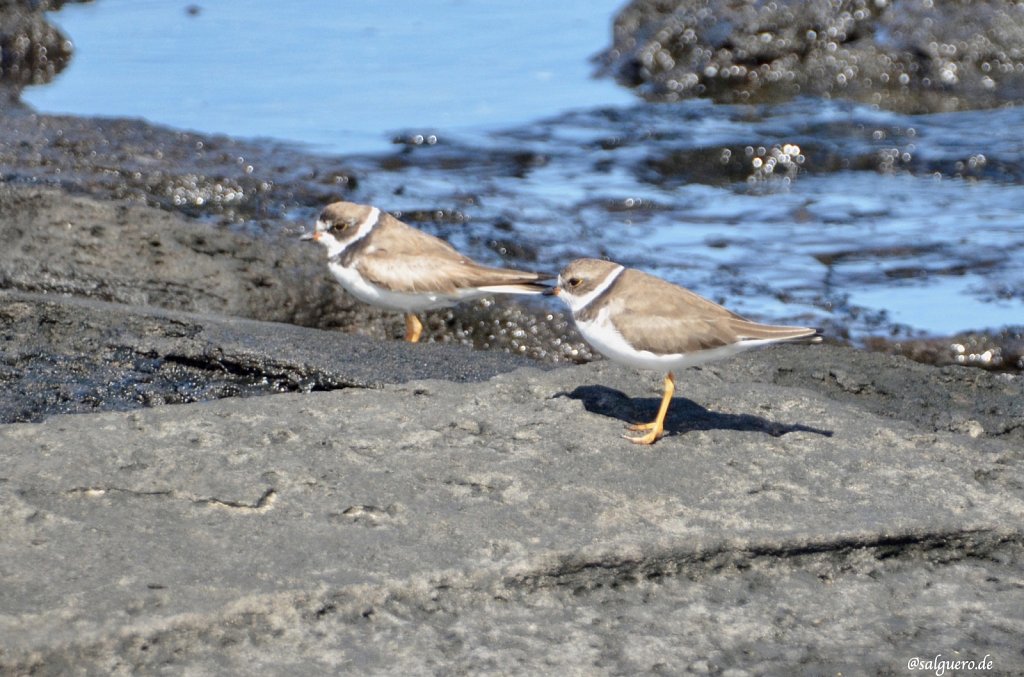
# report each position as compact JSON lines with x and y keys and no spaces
{"x":770,"y":332}
{"x":515,"y":288}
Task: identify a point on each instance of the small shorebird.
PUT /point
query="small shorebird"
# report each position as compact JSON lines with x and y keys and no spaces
{"x":387,"y":263}
{"x":644,"y":322}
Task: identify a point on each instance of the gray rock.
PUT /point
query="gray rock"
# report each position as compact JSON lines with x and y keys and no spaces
{"x":947,"y":399}
{"x":912,"y":55}
{"x":503,"y":526}
{"x":127,"y":253}
{"x":69,"y":355}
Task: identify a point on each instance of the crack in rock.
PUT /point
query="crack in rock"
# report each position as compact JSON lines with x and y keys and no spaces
{"x":96,"y":492}
{"x":845,"y":554}
{"x":280,"y":377}
{"x":264,"y":503}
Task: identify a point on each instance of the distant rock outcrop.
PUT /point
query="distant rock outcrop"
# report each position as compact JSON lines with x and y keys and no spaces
{"x":909,"y":55}
{"x":32,"y":51}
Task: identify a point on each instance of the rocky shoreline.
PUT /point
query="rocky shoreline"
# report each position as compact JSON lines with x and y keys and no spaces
{"x":199,"y":473}
{"x":236,"y":492}
{"x":186,"y":199}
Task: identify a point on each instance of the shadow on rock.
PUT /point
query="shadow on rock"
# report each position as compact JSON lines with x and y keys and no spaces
{"x":683,"y":416}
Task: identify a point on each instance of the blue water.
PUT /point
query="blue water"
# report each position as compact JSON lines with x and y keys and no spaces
{"x":342,"y":77}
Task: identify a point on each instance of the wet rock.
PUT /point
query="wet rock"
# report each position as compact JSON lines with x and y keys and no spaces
{"x":727,"y":165}
{"x":232,"y":182}
{"x":998,"y":351}
{"x":32,"y":51}
{"x":61,"y":355}
{"x":911,"y":55}
{"x":504,"y":525}
{"x":236,"y":255}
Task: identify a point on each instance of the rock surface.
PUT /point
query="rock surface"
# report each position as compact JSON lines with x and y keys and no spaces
{"x":910,"y":55}
{"x":55,"y":242}
{"x":504,"y":526}
{"x":68,"y":355}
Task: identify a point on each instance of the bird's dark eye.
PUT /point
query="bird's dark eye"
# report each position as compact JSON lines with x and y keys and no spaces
{"x":340,"y":226}
{"x":575,"y":281}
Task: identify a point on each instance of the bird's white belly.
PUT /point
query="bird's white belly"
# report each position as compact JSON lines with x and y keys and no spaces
{"x":606,"y":339}
{"x":367,"y":292}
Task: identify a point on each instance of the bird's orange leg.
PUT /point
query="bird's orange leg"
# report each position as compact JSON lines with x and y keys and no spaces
{"x":657,"y":426}
{"x":413,"y":328}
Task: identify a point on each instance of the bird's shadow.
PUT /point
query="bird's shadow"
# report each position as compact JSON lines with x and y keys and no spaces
{"x":683,"y":415}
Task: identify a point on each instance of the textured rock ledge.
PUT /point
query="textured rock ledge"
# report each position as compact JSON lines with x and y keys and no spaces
{"x":504,"y":526}
{"x":69,"y":355}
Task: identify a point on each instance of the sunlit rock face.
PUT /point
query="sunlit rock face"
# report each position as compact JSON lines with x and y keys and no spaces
{"x":908,"y":55}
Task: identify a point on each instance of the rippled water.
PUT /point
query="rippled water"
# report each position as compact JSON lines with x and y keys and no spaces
{"x":861,"y":220}
{"x":841,"y":235}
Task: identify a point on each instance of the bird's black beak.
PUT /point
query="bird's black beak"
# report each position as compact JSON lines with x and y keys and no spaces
{"x":310,"y":236}
{"x":551,"y":291}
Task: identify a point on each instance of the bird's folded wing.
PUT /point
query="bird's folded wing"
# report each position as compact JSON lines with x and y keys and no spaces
{"x":664,"y":335}
{"x":422,"y":274}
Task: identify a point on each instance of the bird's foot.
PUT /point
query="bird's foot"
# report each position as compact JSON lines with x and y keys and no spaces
{"x":655,"y":434}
